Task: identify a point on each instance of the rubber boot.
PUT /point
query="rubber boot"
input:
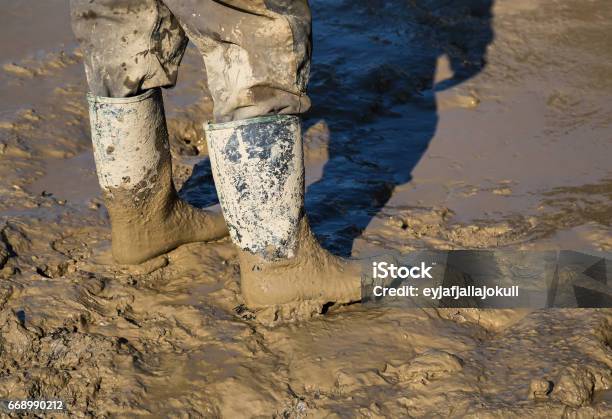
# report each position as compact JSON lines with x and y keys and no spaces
{"x":258,"y":167}
{"x":134,"y":167}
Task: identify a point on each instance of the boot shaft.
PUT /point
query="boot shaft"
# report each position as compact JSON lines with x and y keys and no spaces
{"x":258,"y":167}
{"x":130,"y":140}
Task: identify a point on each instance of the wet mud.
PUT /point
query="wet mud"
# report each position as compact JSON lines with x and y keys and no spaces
{"x":434,"y":124}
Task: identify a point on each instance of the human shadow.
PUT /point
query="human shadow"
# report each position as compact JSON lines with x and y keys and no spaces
{"x":372,"y":82}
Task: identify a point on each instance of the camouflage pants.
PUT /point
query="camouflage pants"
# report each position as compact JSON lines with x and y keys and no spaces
{"x":256,"y":52}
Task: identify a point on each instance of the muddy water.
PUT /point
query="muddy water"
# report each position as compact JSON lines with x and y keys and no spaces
{"x":435,"y":125}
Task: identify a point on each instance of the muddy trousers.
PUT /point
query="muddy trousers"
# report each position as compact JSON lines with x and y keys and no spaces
{"x":256,"y":52}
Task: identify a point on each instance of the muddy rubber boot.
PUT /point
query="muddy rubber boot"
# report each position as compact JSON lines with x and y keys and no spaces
{"x":134,"y":167}
{"x":258,"y":167}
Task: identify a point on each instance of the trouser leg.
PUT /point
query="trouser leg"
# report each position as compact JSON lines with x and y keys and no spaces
{"x":128,"y":46}
{"x":256,"y":53}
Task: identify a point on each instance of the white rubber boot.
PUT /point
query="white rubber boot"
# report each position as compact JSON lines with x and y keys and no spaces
{"x":258,"y":167}
{"x":134,"y":167}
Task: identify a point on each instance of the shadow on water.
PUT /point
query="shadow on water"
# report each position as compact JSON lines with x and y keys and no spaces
{"x":372,"y":81}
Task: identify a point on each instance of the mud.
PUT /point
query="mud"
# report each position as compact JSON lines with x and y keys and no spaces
{"x":433,"y":125}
